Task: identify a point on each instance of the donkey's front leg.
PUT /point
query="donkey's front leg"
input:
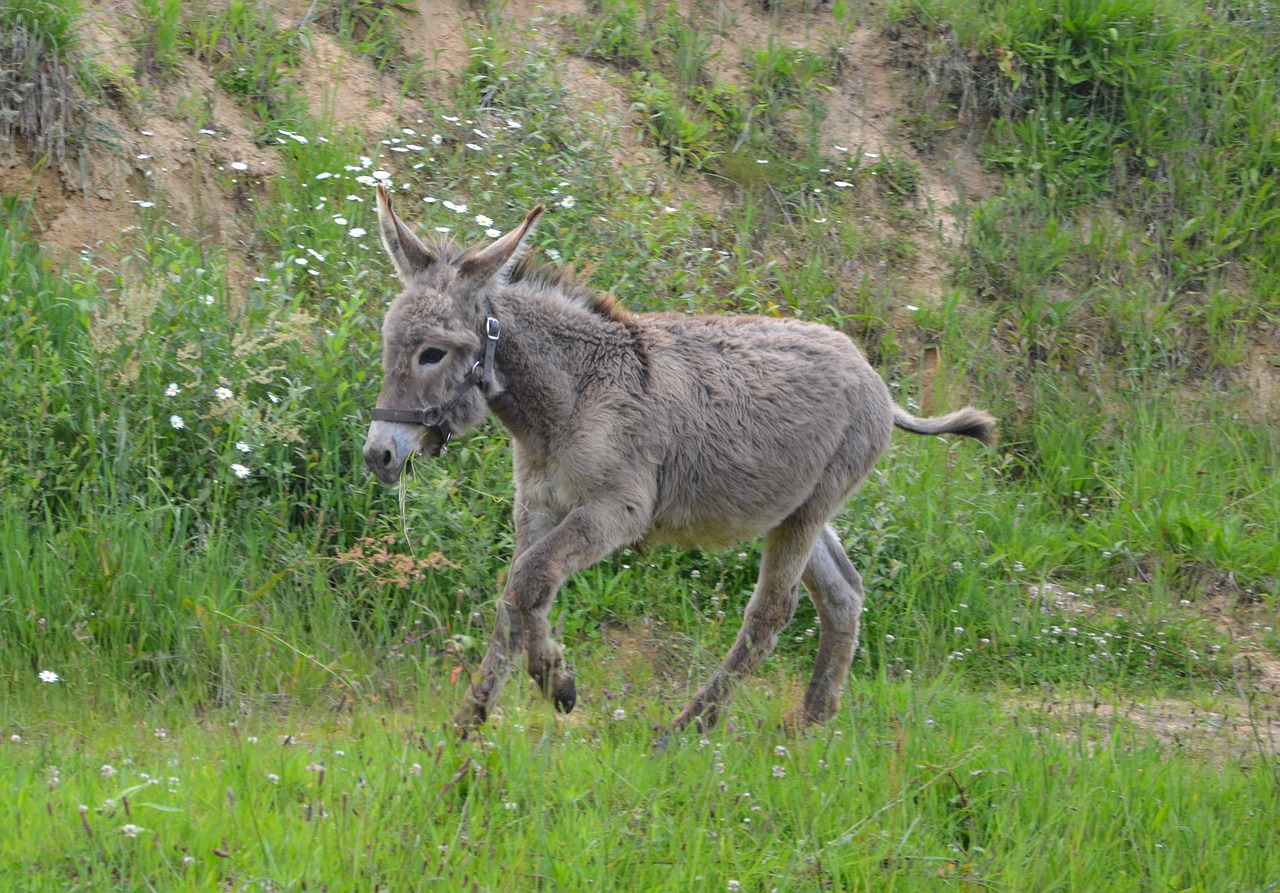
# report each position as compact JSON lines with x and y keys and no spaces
{"x":587,"y":534}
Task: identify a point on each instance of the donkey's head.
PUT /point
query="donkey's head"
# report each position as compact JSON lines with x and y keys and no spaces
{"x":438,"y":340}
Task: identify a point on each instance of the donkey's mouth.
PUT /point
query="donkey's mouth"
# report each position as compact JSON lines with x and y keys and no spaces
{"x":430,"y":449}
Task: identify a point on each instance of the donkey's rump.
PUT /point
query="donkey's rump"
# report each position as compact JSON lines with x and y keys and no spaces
{"x":752,"y":415}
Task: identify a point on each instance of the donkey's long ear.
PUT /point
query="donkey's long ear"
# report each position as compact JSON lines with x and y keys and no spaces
{"x":494,"y":262}
{"x":407,"y":252}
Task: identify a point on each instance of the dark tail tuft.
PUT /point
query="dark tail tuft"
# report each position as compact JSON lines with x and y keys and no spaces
{"x":969,"y":422}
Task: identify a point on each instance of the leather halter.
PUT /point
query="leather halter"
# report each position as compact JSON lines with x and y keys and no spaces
{"x":436,"y":418}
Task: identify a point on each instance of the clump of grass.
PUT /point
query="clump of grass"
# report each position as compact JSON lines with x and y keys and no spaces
{"x":690,"y":50}
{"x":686,"y":137}
{"x":248,"y":55}
{"x":617,"y":32}
{"x":780,"y":75}
{"x":161,"y":37}
{"x":42,"y":83}
{"x":835,"y":39}
{"x":370,"y":27}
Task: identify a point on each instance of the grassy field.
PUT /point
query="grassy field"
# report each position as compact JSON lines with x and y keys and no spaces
{"x":227,"y":658}
{"x":919,"y":785}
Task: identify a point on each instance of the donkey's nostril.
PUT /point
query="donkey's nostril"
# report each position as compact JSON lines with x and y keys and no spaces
{"x":386,"y":458}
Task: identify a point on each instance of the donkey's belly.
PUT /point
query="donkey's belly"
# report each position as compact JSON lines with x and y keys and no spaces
{"x":710,"y":537}
{"x":699,"y":531}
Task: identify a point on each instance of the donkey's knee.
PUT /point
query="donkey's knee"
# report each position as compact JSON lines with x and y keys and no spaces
{"x":532,"y":583}
{"x":766,"y":616}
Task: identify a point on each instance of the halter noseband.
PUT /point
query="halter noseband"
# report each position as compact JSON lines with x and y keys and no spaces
{"x":436,"y":418}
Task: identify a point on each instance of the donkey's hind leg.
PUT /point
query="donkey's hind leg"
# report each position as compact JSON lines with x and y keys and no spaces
{"x":836,"y":590}
{"x":786,"y":551}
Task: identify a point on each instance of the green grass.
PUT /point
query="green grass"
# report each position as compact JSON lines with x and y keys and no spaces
{"x":1167,"y":110}
{"x":917,"y":785}
{"x":1118,"y":546}
{"x":161,"y":36}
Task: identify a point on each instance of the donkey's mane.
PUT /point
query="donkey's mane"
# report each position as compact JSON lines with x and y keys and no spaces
{"x":564,"y":283}
{"x":568,"y":283}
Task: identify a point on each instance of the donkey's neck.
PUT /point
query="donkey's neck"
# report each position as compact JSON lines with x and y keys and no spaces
{"x":551,"y":353}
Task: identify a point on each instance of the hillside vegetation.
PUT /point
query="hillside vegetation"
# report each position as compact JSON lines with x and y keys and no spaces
{"x":1065,"y":214}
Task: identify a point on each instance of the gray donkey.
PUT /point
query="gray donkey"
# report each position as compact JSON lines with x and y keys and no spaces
{"x":636,"y":429}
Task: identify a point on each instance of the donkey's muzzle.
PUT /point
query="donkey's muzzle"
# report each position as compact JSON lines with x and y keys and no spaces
{"x":383,"y":462}
{"x":389,"y":445}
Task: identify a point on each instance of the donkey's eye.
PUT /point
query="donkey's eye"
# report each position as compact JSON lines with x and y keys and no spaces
{"x":430,"y":356}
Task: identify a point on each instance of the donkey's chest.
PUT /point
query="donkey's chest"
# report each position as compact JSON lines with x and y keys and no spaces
{"x":553,"y":484}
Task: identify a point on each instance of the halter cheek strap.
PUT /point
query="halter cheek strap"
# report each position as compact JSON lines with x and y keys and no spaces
{"x":481,"y":373}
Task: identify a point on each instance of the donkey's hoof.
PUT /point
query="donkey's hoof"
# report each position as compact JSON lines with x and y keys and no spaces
{"x":566,"y":693}
{"x":470,"y":717}
{"x":795,"y":722}
{"x":464,"y":727}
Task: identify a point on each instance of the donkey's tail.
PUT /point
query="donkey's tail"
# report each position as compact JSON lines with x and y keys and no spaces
{"x":968,"y":421}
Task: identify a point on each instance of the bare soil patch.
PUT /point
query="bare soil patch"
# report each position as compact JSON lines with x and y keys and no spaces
{"x":343,"y":88}
{"x":170,"y":146}
{"x":866,"y":114}
{"x":1262,"y":375}
{"x":433,"y":32}
{"x":1214,"y":727}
